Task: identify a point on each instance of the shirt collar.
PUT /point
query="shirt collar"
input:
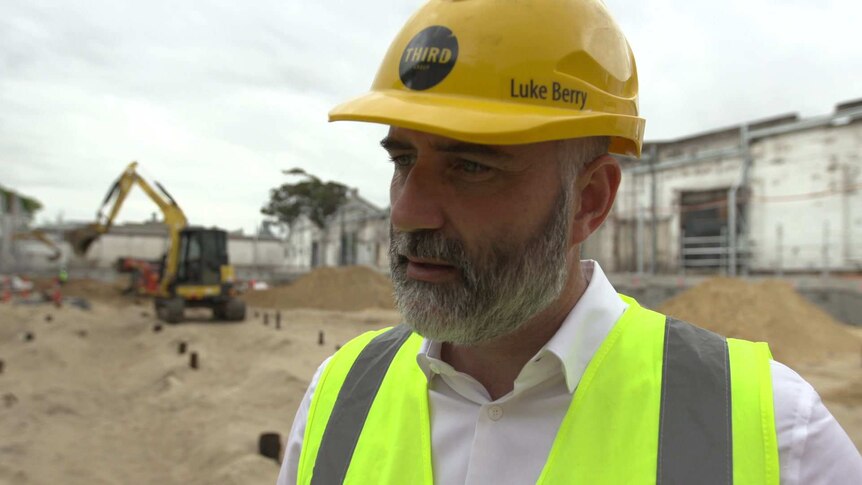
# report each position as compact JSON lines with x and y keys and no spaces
{"x":576,"y":341}
{"x":587,"y":325}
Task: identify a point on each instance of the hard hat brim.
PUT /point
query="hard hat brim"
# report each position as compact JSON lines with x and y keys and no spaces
{"x":490,"y":122}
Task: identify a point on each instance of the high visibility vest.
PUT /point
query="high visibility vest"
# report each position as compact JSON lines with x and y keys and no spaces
{"x":661,"y":402}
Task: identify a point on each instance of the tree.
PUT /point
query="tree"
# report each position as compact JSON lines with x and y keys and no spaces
{"x":29,"y":204}
{"x":310,"y":197}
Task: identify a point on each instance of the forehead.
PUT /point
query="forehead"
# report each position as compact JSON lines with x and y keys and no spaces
{"x":407,"y":139}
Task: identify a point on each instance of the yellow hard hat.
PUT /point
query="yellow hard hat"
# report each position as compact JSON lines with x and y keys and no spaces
{"x":502,"y":72}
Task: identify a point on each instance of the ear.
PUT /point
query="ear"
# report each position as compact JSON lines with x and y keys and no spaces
{"x":595,"y":191}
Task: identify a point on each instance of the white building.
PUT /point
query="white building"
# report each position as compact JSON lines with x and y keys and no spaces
{"x":358,"y":233}
{"x":16,"y":215}
{"x":797,"y":186}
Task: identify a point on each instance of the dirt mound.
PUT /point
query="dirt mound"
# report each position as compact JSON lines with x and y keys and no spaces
{"x":93,"y":289}
{"x":345,"y":288}
{"x":87,"y":288}
{"x":770,"y":311}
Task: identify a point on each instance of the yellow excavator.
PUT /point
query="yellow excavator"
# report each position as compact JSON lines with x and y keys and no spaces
{"x":195,"y":271}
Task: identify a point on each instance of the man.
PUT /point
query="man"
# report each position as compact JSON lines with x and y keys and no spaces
{"x":516,"y":362}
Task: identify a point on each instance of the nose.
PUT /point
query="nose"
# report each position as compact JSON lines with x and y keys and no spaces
{"x":415,"y":200}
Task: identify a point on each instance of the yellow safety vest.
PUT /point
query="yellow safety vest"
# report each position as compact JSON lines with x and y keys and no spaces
{"x":661,"y":402}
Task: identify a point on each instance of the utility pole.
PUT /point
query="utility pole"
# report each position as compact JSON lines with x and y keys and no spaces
{"x":640,"y":240}
{"x":779,"y":249}
{"x":653,"y":154}
{"x":731,"y":222}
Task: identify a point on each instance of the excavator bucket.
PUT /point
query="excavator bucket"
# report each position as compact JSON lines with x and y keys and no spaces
{"x":82,"y":238}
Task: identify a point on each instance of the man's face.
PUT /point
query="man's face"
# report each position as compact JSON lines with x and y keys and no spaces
{"x":479,"y":234}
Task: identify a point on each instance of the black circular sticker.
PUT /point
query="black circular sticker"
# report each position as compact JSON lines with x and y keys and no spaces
{"x":428,"y":58}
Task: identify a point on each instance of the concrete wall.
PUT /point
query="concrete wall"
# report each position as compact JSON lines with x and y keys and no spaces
{"x":619,"y":235}
{"x":109,"y":247}
{"x":247,"y":254}
{"x":807,"y":210}
{"x":255,"y":252}
{"x":804,"y":213}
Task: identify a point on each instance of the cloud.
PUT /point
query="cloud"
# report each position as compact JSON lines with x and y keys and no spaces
{"x":705,"y":65}
{"x":215,"y":98}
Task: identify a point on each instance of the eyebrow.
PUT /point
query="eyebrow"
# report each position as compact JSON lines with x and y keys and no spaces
{"x":390,"y":144}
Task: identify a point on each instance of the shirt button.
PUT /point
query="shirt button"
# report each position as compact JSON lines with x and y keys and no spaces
{"x":495,"y":413}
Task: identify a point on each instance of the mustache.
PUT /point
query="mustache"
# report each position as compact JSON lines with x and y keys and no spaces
{"x":428,"y":244}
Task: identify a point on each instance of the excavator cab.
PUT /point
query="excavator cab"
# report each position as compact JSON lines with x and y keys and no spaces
{"x":203,"y":252}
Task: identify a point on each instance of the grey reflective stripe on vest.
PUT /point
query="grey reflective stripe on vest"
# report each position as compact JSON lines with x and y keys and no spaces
{"x":352,"y":405}
{"x":695,"y":424}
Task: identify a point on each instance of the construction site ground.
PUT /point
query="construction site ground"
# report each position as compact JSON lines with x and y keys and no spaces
{"x":104,"y":396}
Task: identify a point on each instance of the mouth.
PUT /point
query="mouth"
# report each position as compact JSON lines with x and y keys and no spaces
{"x":429,"y":270}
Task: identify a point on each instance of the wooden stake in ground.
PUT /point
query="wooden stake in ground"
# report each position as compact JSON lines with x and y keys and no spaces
{"x":182,"y":348}
{"x":193,"y":360}
{"x":320,"y":339}
{"x":269,"y":445}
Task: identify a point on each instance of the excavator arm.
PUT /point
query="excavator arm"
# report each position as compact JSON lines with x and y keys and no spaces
{"x":81,"y":239}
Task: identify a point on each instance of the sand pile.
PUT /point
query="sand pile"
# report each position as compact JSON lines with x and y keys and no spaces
{"x":771,"y":311}
{"x":344,"y":288}
{"x":87,"y":288}
{"x":95,"y":289}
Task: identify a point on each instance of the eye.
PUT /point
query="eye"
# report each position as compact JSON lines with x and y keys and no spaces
{"x":472,"y":171}
{"x":402,"y":161}
{"x":471,"y":168}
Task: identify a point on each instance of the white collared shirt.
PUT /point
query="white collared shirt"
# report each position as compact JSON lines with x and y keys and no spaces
{"x":506,"y":441}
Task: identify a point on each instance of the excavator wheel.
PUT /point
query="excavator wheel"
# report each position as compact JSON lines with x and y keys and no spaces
{"x":170,"y":310}
{"x":220,"y":311}
{"x":235,"y":310}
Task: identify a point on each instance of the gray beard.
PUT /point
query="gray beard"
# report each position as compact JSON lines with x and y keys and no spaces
{"x":500,"y":287}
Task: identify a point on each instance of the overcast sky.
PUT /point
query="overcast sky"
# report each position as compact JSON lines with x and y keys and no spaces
{"x":214,"y":98}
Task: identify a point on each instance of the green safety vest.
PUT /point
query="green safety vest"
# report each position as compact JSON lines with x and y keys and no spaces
{"x":661,"y":402}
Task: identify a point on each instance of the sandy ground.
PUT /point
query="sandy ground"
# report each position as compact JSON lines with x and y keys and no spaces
{"x":99,"y":397}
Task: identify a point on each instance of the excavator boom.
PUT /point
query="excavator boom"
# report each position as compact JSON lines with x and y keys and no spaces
{"x":82,"y":238}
